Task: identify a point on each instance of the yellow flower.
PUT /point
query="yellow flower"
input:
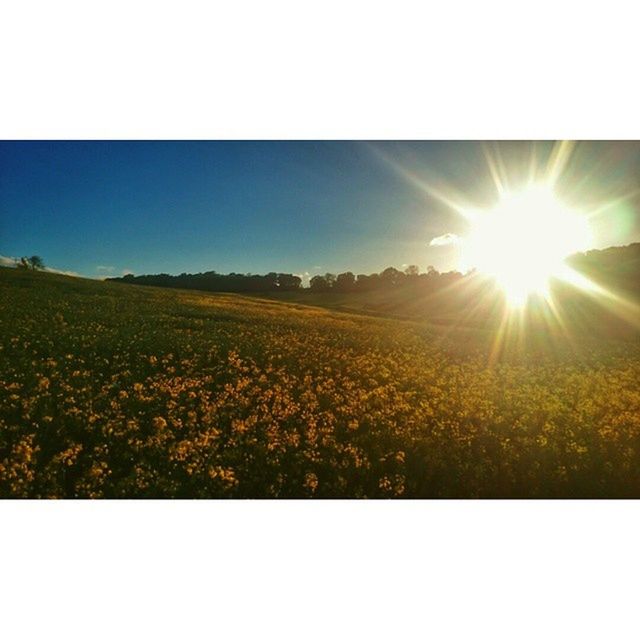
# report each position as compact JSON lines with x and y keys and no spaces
{"x":311,"y":482}
{"x":159,"y":422}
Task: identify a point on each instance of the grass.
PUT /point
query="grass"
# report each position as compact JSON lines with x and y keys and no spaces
{"x":112,"y":390}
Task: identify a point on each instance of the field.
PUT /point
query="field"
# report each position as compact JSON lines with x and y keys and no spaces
{"x":109,"y":390}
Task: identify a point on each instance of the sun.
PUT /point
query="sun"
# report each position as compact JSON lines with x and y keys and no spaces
{"x":523,"y":241}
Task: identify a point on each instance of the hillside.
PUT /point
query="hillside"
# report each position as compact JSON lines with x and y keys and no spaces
{"x":111,"y":390}
{"x":437,"y":298}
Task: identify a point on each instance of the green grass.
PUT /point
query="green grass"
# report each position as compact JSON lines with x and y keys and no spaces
{"x":113,"y":390}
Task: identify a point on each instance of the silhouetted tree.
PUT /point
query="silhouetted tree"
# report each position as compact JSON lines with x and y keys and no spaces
{"x":36,"y":262}
{"x":271,"y":280}
{"x":368,"y":282}
{"x":391,"y":276}
{"x":319,"y":283}
{"x":412,"y":270}
{"x":345,"y":282}
{"x":288,"y":282}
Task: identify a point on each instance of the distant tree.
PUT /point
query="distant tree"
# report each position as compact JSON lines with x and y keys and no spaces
{"x":391,"y":276}
{"x":37,"y":263}
{"x":425,"y":283}
{"x":368,"y":282}
{"x":319,"y":283}
{"x":345,"y":282}
{"x":271,"y":280}
{"x":288,"y":282}
{"x":34,"y":262}
{"x":362,"y":282}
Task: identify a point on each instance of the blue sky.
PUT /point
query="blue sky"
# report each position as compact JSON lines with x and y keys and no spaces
{"x":104,"y":208}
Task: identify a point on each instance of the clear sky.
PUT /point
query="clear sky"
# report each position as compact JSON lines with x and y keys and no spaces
{"x":105,"y":208}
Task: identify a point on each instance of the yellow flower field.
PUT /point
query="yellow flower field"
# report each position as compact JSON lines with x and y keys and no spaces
{"x":115,"y":391}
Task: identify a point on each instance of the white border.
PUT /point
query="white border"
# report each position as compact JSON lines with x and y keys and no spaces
{"x":355,"y":70}
{"x":510,"y":569}
{"x":337,"y":69}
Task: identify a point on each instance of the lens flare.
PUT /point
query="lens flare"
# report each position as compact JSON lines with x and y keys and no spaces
{"x":523,"y":241}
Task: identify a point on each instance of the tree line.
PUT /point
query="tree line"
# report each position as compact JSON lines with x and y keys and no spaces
{"x":346,"y":282}
{"x":616,"y":267}
{"x":213,"y":281}
{"x":390,"y":278}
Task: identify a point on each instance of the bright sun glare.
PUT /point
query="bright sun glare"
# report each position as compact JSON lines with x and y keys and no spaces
{"x":523,"y":241}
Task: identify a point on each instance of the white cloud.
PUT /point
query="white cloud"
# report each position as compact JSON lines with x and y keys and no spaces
{"x":110,"y":272}
{"x":75,"y":274}
{"x":444,"y":240}
{"x":6,"y":261}
{"x":303,"y":276}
